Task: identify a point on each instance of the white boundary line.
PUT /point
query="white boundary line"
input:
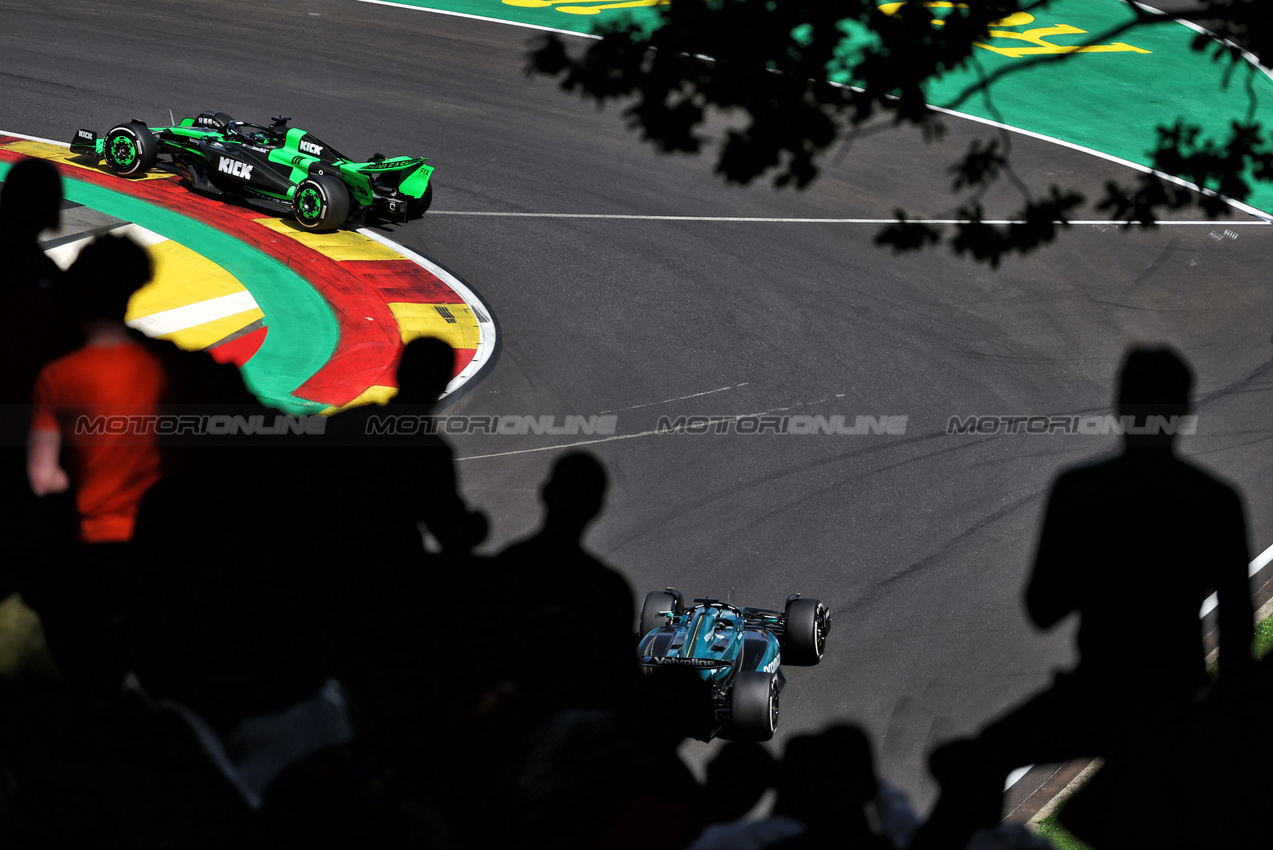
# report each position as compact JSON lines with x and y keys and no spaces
{"x":1246,"y":54}
{"x":1260,"y":562}
{"x":872,"y":221}
{"x":35,"y":139}
{"x":481,"y":18}
{"x":1135,"y":166}
{"x":485,"y":325}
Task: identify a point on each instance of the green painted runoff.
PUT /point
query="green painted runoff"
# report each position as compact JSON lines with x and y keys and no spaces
{"x":1109,"y":97}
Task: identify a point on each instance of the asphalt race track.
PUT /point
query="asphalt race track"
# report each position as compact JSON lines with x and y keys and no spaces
{"x":919,"y":542}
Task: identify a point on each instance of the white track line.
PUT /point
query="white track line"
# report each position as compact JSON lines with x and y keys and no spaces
{"x":481,"y":18}
{"x":190,"y":315}
{"x":791,"y":220}
{"x":678,"y":398}
{"x":1258,"y":564}
{"x":35,"y":139}
{"x":66,"y":253}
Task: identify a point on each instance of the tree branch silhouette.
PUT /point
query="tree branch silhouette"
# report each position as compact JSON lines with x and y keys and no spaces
{"x":770,"y":64}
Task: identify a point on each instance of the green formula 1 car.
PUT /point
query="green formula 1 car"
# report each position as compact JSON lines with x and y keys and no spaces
{"x":281,"y":168}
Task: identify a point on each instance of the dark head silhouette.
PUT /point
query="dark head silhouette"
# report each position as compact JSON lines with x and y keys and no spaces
{"x":426,"y":367}
{"x":32,"y":198}
{"x":826,"y":780}
{"x":1153,"y":381}
{"x":737,"y":778}
{"x":106,"y":274}
{"x":575,"y":492}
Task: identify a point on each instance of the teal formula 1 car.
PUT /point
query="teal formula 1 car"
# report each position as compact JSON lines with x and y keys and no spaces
{"x":283,"y":169}
{"x":736,"y":652}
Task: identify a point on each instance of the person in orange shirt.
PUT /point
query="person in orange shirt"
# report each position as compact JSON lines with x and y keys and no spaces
{"x":111,"y":374}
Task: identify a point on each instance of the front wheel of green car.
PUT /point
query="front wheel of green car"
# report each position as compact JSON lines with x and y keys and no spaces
{"x":130,"y":150}
{"x":321,"y":202}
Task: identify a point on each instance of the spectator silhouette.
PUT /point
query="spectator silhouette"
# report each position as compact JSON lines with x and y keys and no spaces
{"x":377,"y":581}
{"x":111,"y":374}
{"x":426,"y":367}
{"x":827,"y":783}
{"x":1133,"y":545}
{"x":394,"y":481}
{"x":827,"y":788}
{"x":554,"y":570}
{"x":736,"y":780}
{"x":547,"y":738}
{"x":30,"y":204}
{"x":30,"y":287}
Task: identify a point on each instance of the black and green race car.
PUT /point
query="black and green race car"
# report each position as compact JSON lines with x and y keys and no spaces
{"x":281,"y":168}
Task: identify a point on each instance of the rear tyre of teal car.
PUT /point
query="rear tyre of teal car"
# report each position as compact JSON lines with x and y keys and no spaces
{"x":753,"y":706}
{"x":656,"y":602}
{"x":321,"y":202}
{"x":130,"y":150}
{"x":805,"y":636}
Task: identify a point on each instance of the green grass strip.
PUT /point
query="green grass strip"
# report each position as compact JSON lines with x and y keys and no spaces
{"x":1057,"y":834}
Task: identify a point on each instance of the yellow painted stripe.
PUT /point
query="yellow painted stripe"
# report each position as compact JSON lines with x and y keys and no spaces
{"x":338,"y":245}
{"x":424,"y":320}
{"x":201,"y":336}
{"x":64,"y":156}
{"x":374,"y":394}
{"x":186,"y":278}
{"x":182,"y":277}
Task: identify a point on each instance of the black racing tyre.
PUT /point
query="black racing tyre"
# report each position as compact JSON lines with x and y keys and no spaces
{"x":805,"y":636}
{"x":753,"y":706}
{"x":130,"y":150}
{"x":656,"y":601}
{"x":321,"y":202}
{"x":420,"y":205}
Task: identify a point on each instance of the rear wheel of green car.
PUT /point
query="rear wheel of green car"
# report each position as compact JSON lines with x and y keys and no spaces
{"x":130,"y":150}
{"x":420,"y":205}
{"x":321,"y":202}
